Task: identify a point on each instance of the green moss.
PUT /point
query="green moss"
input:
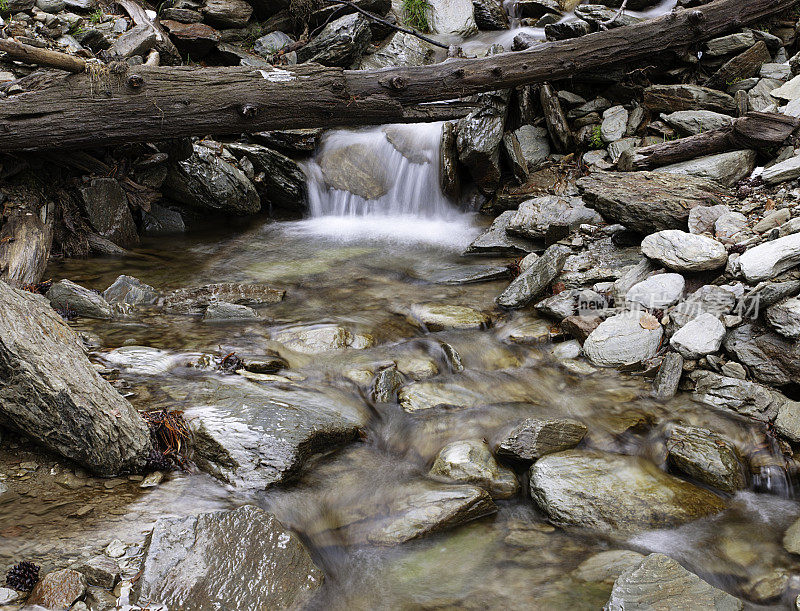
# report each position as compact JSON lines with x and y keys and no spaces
{"x":596,"y":141}
{"x":3,"y":6}
{"x":415,"y":14}
{"x":97,"y":16}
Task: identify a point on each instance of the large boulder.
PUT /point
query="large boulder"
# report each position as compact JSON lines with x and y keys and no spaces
{"x":747,"y":398}
{"x":70,"y":297}
{"x":402,"y":50}
{"x":625,"y":339}
{"x":497,"y":241}
{"x":771,"y":358}
{"x":206,"y":180}
{"x":284,"y":182}
{"x":707,"y":457}
{"x":534,"y":438}
{"x":479,"y":136}
{"x":535,"y":217}
{"x":341,"y":43}
{"x":240,"y":559}
{"x":647,"y":201}
{"x":107,"y":209}
{"x":614,"y":493}
{"x":58,"y":590}
{"x":699,"y":337}
{"x":227,"y":13}
{"x":357,"y":169}
{"x":693,"y":122}
{"x":684,"y":252}
{"x":659,"y":582}
{"x":51,"y":392}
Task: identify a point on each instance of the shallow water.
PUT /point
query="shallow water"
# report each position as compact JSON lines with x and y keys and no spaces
{"x":363,"y":272}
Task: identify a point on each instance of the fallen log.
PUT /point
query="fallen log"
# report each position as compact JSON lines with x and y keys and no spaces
{"x":25,"y":241}
{"x":756,"y":130}
{"x":155,"y":102}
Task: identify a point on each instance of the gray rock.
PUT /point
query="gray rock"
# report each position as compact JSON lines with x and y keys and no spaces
{"x":647,"y":201}
{"x":248,"y":559}
{"x":616,"y":149}
{"x":535,"y":217}
{"x":54,"y":395}
{"x":341,"y":43}
{"x":633,"y":276}
{"x":439,"y":316}
{"x":665,"y":386}
{"x":402,"y":50}
{"x":605,"y":567}
{"x":615,"y":120}
{"x":479,"y":136}
{"x":730,"y":225}
{"x":772,"y":220}
{"x":9,"y":596}
{"x":671,"y":98}
{"x":661,"y":583}
{"x":707,"y":457}
{"x":787,"y":422}
{"x":255,"y":436}
{"x":789,"y":227}
{"x":490,"y":15}
{"x":613,"y":493}
{"x":107,"y":209}
{"x":531,"y":283}
{"x":315,"y":339}
{"x":697,"y":121}
{"x":496,"y":241}
{"x":595,"y":14}
{"x":703,"y":218}
{"x":471,"y":462}
{"x":570,"y":302}
{"x":452,"y":17}
{"x":783,"y":171}
{"x":709,"y":299}
{"x":468,"y":274}
{"x":747,"y":398}
{"x":136,"y":41}
{"x":784,"y":317}
{"x":777,"y":71}
{"x":227,"y":13}
{"x":206,"y":180}
{"x":220,"y":311}
{"x":162,"y":221}
{"x":357,"y":169}
{"x":51,"y":6}
{"x":534,"y":438}
{"x":657,"y":292}
{"x":760,"y":98}
{"x":67,"y":295}
{"x":271,"y":43}
{"x":284,"y":183}
{"x":769,"y":259}
{"x":699,"y":337}
{"x":535,"y":145}
{"x":684,"y":252}
{"x":733,"y":43}
{"x":101,"y":571}
{"x":724,"y":168}
{"x":772,"y":359}
{"x":623,"y":340}
{"x":195,"y":300}
{"x":132,"y":291}
{"x":766,"y":294}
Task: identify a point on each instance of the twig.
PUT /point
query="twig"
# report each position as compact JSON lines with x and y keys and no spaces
{"x":42,"y":57}
{"x":377,"y":19}
{"x":605,"y":24}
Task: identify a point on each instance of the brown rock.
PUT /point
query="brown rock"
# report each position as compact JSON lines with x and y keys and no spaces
{"x":58,"y":590}
{"x":580,"y":327}
{"x":196,"y":39}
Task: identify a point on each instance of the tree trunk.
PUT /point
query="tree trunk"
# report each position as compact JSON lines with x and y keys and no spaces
{"x":754,"y":130}
{"x":154,"y":102}
{"x":25,"y":241}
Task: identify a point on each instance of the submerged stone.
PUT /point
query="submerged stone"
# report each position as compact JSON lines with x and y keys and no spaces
{"x":471,"y":462}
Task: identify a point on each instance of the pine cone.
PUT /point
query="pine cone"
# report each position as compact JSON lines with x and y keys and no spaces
{"x":22,"y":576}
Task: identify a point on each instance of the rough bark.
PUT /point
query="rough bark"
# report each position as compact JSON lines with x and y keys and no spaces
{"x":25,"y":241}
{"x":755,"y":130}
{"x":156,"y":102}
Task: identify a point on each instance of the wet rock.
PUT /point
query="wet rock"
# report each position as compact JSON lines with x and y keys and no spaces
{"x":791,"y":538}
{"x":625,"y":339}
{"x":741,"y":396}
{"x":490,"y":15}
{"x":724,"y":168}
{"x":101,"y":571}
{"x":660,"y":582}
{"x":534,"y":438}
{"x":665,"y":386}
{"x":784,"y":317}
{"x":671,"y":98}
{"x":249,"y":560}
{"x":535,"y":217}
{"x":469,"y":274}
{"x":449,"y":173}
{"x":67,"y":295}
{"x":699,"y":337}
{"x":615,"y":120}
{"x":647,"y":201}
{"x":195,"y":300}
{"x":253,"y":436}
{"x":132,"y":291}
{"x":162,"y":221}
{"x":570,"y":302}
{"x":614,"y":493}
{"x":692,"y":122}
{"x":386,"y":384}
{"x":284,"y":183}
{"x":496,"y":241}
{"x":194,"y":39}
{"x":439,"y":316}
{"x":769,"y":259}
{"x":401,"y":50}
{"x":206,"y":180}
{"x":428,"y":395}
{"x":771,"y":358}
{"x":227,"y":13}
{"x":531,"y":283}
{"x":706,"y":457}
{"x":220,"y":311}
{"x":479,"y":136}
{"x":605,"y":567}
{"x":58,"y":590}
{"x":471,"y":462}
{"x":314,"y":339}
{"x":341,"y":43}
{"x":534,"y":144}
{"x":452,"y":17}
{"x":684,"y":252}
{"x":657,"y":292}
{"x":356,"y":169}
{"x":106,"y":207}
{"x":270,"y":44}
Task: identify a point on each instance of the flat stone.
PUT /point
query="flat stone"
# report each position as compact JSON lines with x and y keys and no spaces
{"x":534,"y":438}
{"x":671,"y":98}
{"x":605,"y":567}
{"x":315,"y":339}
{"x":661,"y":583}
{"x":769,"y":259}
{"x":221,"y":311}
{"x":710,"y":299}
{"x":684,"y":252}
{"x":496,"y":241}
{"x":534,"y":144}
{"x":615,"y":494}
{"x":535,"y":217}
{"x":791,"y":538}
{"x":615,"y":120}
{"x":439,"y":316}
{"x":623,"y":340}
{"x":657,"y":292}
{"x":707,"y":457}
{"x":733,"y":43}
{"x":248,"y":559}
{"x":760,"y":97}
{"x":665,"y":386}
{"x":194,"y":39}
{"x":195,"y":300}
{"x":58,"y":590}
{"x":284,"y":183}
{"x":69,"y":296}
{"x":471,"y":462}
{"x":101,"y":571}
{"x":570,"y":302}
{"x":726,"y":169}
{"x":782,"y":172}
{"x":227,"y":13}
{"x":136,"y":41}
{"x":693,"y":122}
{"x":469,"y":274}
{"x":788,"y":91}
{"x":776,"y":71}
{"x":772,"y":220}
{"x":747,"y":398}
{"x":699,"y":337}
{"x":132,"y":291}
{"x":531,"y":283}
{"x":355,"y":168}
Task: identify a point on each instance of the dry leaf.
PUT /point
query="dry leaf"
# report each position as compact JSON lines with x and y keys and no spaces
{"x":770,"y":205}
{"x":648,"y":321}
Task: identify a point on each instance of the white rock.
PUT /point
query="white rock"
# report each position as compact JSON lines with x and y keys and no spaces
{"x":702,"y":218}
{"x":767,"y":260}
{"x":453,"y":17}
{"x":729,"y":225}
{"x":783,"y":171}
{"x":684,"y":252}
{"x":615,"y":120}
{"x":699,"y":337}
{"x":115,"y":549}
{"x":784,"y":317}
{"x":725,"y":168}
{"x":622,"y":340}
{"x":657,"y":292}
{"x":789,"y":91}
